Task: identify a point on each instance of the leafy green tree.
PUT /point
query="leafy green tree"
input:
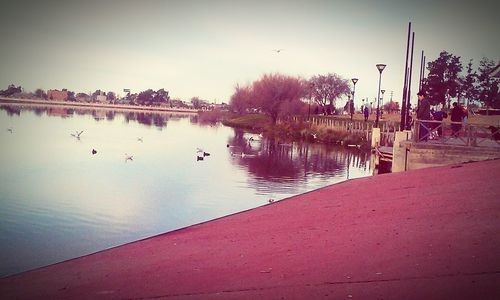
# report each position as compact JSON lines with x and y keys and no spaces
{"x":161,"y":96}
{"x":468,"y":89}
{"x":273,"y":91}
{"x":39,"y":93}
{"x":95,"y":94}
{"x":488,"y":89}
{"x":11,"y":90}
{"x":443,"y":83}
{"x":71,"y":96}
{"x":150,"y":97}
{"x":145,"y":97}
{"x":326,"y":89}
{"x":111,"y":96}
{"x":198,"y":103}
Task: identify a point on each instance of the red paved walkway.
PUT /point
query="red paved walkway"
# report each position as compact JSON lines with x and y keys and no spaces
{"x":424,"y":234}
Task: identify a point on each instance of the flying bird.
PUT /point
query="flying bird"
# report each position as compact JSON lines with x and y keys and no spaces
{"x":140,"y":139}
{"x":94,"y":152}
{"x":10,"y":129}
{"x":278,"y":50}
{"x":128,"y":157}
{"x":77,"y":134}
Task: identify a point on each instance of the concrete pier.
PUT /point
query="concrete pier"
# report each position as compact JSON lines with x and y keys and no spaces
{"x":422,"y":234}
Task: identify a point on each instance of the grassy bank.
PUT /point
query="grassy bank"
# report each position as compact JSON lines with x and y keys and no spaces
{"x":295,"y":131}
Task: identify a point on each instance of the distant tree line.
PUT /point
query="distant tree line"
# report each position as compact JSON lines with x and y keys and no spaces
{"x":446,"y":82}
{"x":11,"y":90}
{"x":147,"y":97}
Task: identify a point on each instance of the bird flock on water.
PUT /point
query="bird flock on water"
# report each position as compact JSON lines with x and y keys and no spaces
{"x":201,"y":154}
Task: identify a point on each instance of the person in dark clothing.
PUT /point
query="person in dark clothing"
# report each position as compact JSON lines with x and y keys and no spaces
{"x":423,"y":114}
{"x":366,"y":113}
{"x":456,"y":117}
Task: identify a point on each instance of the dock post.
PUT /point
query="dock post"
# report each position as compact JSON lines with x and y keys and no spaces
{"x":375,"y":137}
{"x":399,"y":151}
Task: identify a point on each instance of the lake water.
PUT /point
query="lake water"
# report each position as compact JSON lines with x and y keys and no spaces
{"x":59,"y":201}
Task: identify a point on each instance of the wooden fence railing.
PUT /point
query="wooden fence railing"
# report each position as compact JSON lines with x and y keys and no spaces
{"x":387,"y":128}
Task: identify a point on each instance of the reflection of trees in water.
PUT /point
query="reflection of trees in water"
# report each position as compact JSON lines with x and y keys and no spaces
{"x":59,"y":112}
{"x":272,"y":160}
{"x":148,"y":118}
{"x":39,"y":111}
{"x":194,"y":119}
{"x":11,"y":110}
{"x":110,"y":115}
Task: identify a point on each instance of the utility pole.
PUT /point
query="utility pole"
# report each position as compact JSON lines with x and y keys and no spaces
{"x":402,"y":125}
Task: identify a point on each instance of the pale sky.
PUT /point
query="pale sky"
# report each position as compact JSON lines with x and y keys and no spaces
{"x":204,"y":48}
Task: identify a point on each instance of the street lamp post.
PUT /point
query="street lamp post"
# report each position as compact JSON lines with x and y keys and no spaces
{"x":351,"y":105}
{"x":380,"y":68}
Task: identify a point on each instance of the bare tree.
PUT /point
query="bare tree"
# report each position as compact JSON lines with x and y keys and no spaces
{"x":241,"y":99}
{"x":326,"y":89}
{"x":274,"y":90}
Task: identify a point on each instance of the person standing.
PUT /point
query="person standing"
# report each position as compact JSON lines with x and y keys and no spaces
{"x":366,"y":113}
{"x":439,"y":116}
{"x":423,"y":114}
{"x":456,"y":119}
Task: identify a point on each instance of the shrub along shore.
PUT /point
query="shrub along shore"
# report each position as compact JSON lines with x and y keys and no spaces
{"x":286,"y":130}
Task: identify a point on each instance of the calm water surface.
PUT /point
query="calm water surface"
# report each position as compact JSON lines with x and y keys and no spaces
{"x":59,"y":201}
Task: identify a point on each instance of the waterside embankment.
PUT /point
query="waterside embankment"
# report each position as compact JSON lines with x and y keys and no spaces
{"x":422,"y":234}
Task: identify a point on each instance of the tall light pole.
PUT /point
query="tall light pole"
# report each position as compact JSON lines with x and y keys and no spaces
{"x":380,"y":68}
{"x":351,"y":105}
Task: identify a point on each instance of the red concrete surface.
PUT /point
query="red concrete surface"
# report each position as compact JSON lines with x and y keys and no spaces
{"x":424,"y":234}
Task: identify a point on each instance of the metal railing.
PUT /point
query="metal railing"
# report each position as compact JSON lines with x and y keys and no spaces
{"x":456,"y":133}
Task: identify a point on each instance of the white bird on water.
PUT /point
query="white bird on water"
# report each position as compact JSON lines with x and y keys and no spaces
{"x":140,"y":139}
{"x":278,"y":50}
{"x":77,"y":134}
{"x":199,"y":150}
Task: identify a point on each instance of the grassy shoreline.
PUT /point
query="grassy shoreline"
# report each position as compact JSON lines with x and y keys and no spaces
{"x":296,"y":131}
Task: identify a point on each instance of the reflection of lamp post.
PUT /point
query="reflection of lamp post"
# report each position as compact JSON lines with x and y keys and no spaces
{"x":351,"y":105}
{"x":382,"y":102}
{"x":380,"y":68}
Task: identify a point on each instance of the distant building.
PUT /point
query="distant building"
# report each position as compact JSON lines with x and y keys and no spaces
{"x":57,"y":95}
{"x":101,"y":98}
